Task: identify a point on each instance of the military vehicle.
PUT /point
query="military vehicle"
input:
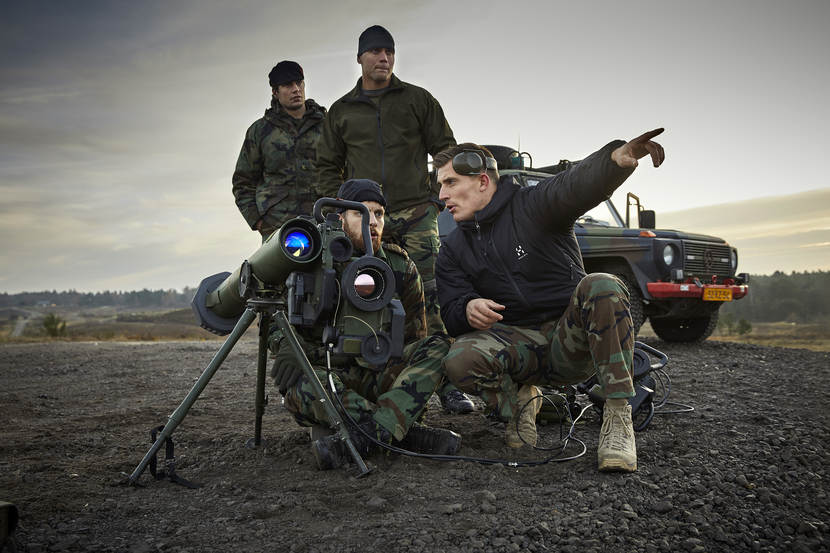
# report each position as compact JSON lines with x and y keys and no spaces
{"x":678,"y":280}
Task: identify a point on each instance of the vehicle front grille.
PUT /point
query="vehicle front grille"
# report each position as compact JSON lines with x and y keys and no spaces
{"x":702,"y":259}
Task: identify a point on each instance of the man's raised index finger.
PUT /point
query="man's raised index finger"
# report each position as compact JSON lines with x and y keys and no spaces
{"x":645,"y":137}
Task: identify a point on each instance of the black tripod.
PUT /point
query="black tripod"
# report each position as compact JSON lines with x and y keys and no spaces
{"x":269,"y":310}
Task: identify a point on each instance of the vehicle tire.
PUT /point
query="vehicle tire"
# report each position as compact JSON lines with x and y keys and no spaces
{"x":637,"y":315}
{"x":685,"y":330}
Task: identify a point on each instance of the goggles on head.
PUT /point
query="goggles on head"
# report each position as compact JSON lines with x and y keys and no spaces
{"x":472,"y":162}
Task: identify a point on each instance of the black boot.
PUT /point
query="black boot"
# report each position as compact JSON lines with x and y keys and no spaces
{"x":454,"y":400}
{"x":332,"y":452}
{"x":433,"y":441}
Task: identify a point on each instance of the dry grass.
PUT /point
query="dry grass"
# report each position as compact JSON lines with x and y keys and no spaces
{"x":812,"y":336}
{"x":107,"y":324}
{"x":111,"y":325}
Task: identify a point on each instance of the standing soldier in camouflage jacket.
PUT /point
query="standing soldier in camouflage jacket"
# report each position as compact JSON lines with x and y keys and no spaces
{"x":515,"y":294}
{"x":276,"y":172}
{"x":385,"y":402}
{"x":383,"y":130}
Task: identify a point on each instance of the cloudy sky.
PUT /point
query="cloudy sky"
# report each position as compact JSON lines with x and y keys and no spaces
{"x":121,"y":121}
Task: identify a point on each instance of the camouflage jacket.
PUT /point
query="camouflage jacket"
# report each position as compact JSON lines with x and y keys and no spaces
{"x":385,"y":139}
{"x":276,"y":171}
{"x":409,"y":289}
{"x":520,"y":249}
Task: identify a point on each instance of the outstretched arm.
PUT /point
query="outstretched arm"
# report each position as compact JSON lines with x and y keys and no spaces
{"x":626,"y":156}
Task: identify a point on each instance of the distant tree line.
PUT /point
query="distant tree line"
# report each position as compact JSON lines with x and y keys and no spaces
{"x":141,"y":298}
{"x":795,"y":297}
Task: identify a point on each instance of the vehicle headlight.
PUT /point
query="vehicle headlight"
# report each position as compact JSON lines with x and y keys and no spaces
{"x":733,"y":259}
{"x":668,"y":254}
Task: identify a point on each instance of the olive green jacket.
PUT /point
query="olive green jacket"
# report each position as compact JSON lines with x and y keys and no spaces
{"x":386,"y":139}
{"x":408,"y":288}
{"x":276,"y":172}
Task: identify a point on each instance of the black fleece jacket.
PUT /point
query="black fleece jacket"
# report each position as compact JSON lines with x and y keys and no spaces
{"x":520,"y":249}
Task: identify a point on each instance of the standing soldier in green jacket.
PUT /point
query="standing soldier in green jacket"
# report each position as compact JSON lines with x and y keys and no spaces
{"x":276,"y":173}
{"x":383,"y":130}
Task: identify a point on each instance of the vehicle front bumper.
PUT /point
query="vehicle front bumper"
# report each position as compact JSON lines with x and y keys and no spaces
{"x":669,"y":290}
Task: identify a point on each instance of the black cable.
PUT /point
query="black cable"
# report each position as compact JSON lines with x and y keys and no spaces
{"x":480,"y":460}
{"x":660,"y":374}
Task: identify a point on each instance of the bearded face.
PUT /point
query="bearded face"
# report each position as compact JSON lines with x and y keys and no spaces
{"x":352,"y":221}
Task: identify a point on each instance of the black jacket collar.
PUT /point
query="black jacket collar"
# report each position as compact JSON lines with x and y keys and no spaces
{"x":504,"y":193}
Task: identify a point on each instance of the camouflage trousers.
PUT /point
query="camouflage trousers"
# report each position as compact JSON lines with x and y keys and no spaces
{"x":393,"y":398}
{"x":593,"y":335}
{"x":415,"y":229}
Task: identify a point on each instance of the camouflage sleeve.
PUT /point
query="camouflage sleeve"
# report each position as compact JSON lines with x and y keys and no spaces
{"x":436,"y":130}
{"x":331,"y":157}
{"x":558,"y":201}
{"x":248,"y":176}
{"x":412,"y":299}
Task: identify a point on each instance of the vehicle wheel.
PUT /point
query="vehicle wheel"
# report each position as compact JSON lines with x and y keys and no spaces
{"x":685,"y":330}
{"x":637,"y":316}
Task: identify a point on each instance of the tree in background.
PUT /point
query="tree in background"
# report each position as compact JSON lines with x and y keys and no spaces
{"x":795,"y":297}
{"x":54,"y":325}
{"x":726,"y":324}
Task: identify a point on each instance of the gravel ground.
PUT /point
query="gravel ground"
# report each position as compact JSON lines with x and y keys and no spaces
{"x":745,"y":471}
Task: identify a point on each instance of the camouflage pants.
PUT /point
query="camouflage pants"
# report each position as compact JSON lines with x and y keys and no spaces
{"x":415,"y":229}
{"x":594,"y":335}
{"x":393,"y":398}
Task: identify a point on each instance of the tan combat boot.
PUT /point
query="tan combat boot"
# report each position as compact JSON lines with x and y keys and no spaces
{"x":525,"y":418}
{"x":617,"y":450}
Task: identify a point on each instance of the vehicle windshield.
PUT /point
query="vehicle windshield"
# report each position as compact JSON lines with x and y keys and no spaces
{"x":599,"y":216}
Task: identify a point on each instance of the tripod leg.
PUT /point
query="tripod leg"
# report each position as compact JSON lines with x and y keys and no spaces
{"x":262,"y":359}
{"x":178,"y":415}
{"x":336,"y":421}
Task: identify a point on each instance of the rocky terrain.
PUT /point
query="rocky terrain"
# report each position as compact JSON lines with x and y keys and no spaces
{"x":745,"y":471}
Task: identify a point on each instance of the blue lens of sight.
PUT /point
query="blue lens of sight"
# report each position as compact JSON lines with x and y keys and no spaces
{"x":297,"y":243}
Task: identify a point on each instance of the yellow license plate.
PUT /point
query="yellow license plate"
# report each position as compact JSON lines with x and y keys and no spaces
{"x":717,"y":294}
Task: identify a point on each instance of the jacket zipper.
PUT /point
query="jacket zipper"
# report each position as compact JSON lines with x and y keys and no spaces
{"x":380,"y":145}
{"x":501,"y":265}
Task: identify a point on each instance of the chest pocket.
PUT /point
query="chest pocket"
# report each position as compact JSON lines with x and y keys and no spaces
{"x":359,"y":125}
{"x":537,"y":255}
{"x":306,"y":144}
{"x":401,"y":126}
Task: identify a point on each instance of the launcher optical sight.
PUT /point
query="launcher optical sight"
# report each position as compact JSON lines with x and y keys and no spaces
{"x":310,"y":265}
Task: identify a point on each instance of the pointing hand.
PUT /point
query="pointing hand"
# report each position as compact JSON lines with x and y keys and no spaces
{"x":626,"y":156}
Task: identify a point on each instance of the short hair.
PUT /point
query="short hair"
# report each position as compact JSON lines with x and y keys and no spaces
{"x":442,"y":158}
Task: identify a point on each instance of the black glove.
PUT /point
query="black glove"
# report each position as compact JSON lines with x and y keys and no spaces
{"x":286,"y":370}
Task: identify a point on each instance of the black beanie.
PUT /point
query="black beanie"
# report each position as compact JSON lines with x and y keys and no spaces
{"x":285,"y":72}
{"x":375,"y":37}
{"x":361,"y":190}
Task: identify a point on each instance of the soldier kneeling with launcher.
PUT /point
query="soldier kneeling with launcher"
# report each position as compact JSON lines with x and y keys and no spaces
{"x":385,"y":402}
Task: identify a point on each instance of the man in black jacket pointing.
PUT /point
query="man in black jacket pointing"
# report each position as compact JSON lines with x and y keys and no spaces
{"x":513,"y":290}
